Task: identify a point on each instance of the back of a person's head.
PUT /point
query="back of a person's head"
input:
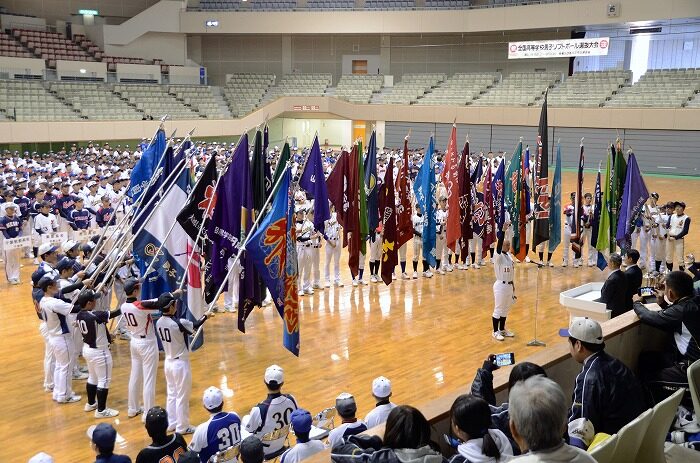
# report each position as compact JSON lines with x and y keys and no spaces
{"x":680,"y":283}
{"x":472,"y":416}
{"x":252,"y":450}
{"x":406,"y":428}
{"x":523,"y":371}
{"x":633,"y":254}
{"x":537,"y":408}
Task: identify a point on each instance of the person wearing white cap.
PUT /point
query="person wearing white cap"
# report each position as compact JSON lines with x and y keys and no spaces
{"x":221,"y":431}
{"x":347,"y":408}
{"x":606,"y":394}
{"x":44,"y":222}
{"x":273,"y":413}
{"x":381,"y":391}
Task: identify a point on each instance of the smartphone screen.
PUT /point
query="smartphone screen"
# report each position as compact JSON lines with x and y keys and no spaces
{"x":505,"y":359}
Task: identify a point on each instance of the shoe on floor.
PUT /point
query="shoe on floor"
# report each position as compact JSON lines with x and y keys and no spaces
{"x":80,"y":376}
{"x":415,"y":275}
{"x":550,"y":264}
{"x":171,"y":428}
{"x":90,"y":407}
{"x":300,"y":292}
{"x":48,"y":388}
{"x":527,"y":259}
{"x":393,"y":276}
{"x":440,"y":271}
{"x":70,"y":400}
{"x":316,"y":286}
{"x":132,"y":414}
{"x":404,"y":276}
{"x":328,"y":284}
{"x":498,"y":336}
{"x":507,"y":334}
{"x":309,"y":291}
{"x":427,"y":274}
{"x":187,"y":430}
{"x":355,"y":282}
{"x":339,"y":283}
{"x":106,"y":413}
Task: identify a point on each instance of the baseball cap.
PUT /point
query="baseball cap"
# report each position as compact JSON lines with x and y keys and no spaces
{"x":252,"y":449}
{"x":41,"y":457}
{"x":345,"y":404}
{"x":46,"y":248}
{"x":274,"y":373}
{"x":381,"y":387}
{"x":86,"y":296}
{"x":45,"y":281}
{"x":301,"y":420}
{"x":130,"y":284}
{"x":165,"y":300}
{"x":581,"y":432}
{"x":69,"y":245}
{"x":36,"y":276}
{"x":189,"y":457}
{"x":64,"y":264}
{"x":654,"y":194}
{"x":103,"y":435}
{"x":156,"y":421}
{"x":584,"y":329}
{"x":213,"y":398}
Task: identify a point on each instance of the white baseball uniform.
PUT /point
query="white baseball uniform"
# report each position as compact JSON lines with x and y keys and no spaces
{"x":678,"y":226}
{"x":503,"y":291}
{"x":178,"y":375}
{"x":270,"y":415}
{"x":333,"y":247}
{"x":56,"y":312}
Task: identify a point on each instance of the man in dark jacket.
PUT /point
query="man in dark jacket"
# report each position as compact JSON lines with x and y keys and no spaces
{"x":665,"y":372}
{"x":607,"y":395}
{"x":614,"y":288}
{"x":633,"y":277}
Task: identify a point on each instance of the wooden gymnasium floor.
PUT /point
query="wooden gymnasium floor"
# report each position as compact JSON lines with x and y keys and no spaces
{"x":427,"y":336}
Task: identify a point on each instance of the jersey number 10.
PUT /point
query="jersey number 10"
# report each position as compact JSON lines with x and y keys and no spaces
{"x":164,"y":334}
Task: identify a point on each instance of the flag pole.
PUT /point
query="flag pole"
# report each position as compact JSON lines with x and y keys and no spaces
{"x":160,"y":126}
{"x":258,"y":219}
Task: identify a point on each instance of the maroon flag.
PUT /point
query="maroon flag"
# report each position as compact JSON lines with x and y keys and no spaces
{"x":387,"y":206}
{"x":352,"y":221}
{"x":337,"y":185}
{"x":404,"y":224}
{"x":465,"y":195}
{"x":490,"y":226}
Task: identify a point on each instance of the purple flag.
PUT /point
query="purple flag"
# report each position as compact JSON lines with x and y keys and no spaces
{"x":634,"y":196}
{"x":314,"y":183}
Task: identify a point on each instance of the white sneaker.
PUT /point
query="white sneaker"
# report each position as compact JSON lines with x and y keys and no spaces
{"x":309,"y":291}
{"x":415,"y":275}
{"x":187,"y":430}
{"x":132,"y":414}
{"x":36,"y":262}
{"x":338,"y":284}
{"x":527,"y":259}
{"x":69,"y":400}
{"x":565,"y":264}
{"x":106,"y":413}
{"x":591,"y":264}
{"x":372,"y":279}
{"x":550,"y":264}
{"x":498,"y":336}
{"x":507,"y":334}
{"x":476,"y":266}
{"x":449,"y":268}
{"x":90,"y":407}
{"x":300,"y":292}
{"x":317,"y":286}
{"x":404,"y":276}
{"x":80,"y":376}
{"x":491,"y":260}
{"x":328,"y":283}
{"x":440,"y":271}
{"x":393,"y":276}
{"x":427,"y":274}
{"x":481,"y":263}
{"x":48,"y":388}
{"x":355,"y":282}
{"x":363,"y":282}
{"x":576,"y":265}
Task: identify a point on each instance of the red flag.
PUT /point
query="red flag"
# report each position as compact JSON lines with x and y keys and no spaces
{"x":387,"y":206}
{"x":450,"y":178}
{"x":337,"y":185}
{"x":490,"y":225}
{"x":465,"y":196}
{"x":404,"y":224}
{"x":352,"y":221}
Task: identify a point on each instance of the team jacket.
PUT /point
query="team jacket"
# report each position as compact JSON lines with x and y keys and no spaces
{"x":682,"y":319}
{"x":11,"y":226}
{"x":79,"y":219}
{"x":65,"y":204}
{"x":23,"y":204}
{"x":607,"y":394}
{"x":104,"y":216}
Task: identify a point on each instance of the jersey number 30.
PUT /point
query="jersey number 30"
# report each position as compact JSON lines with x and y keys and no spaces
{"x":228,"y":436}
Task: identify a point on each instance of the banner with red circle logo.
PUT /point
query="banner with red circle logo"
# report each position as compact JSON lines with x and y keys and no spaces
{"x":597,"y":46}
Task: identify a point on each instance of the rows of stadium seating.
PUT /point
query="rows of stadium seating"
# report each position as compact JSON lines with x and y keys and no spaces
{"x":519,"y":89}
{"x":330,"y":4}
{"x":10,"y":47}
{"x":244,"y":92}
{"x":200,"y":98}
{"x":154,"y":101}
{"x":460,"y":89}
{"x":29,"y":101}
{"x":358,"y":88}
{"x":242,"y":5}
{"x":660,"y":88}
{"x":95,"y":101}
{"x":589,"y":89}
{"x":51,"y":46}
{"x":411,"y":87}
{"x":300,"y":85}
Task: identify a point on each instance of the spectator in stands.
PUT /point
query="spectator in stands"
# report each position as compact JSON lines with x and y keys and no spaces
{"x":301,"y":424}
{"x":606,"y":395}
{"x":664,"y":372}
{"x":381,"y":391}
{"x":347,"y":408}
{"x":633,"y":277}
{"x":538,"y":421}
{"x":470,"y":422}
{"x":103,"y":436}
{"x":612,"y":294}
{"x":482,"y":386}
{"x":252,"y":450}
{"x":406,"y":439}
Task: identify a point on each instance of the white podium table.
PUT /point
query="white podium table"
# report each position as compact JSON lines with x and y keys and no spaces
{"x":580,"y":302}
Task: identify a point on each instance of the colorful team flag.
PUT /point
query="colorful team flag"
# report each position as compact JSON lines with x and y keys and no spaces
{"x":478,"y":206}
{"x":200,"y":207}
{"x":282,"y":163}
{"x":145,"y":168}
{"x":542,"y":195}
{"x":352,"y":227}
{"x":634,"y":197}
{"x":490,"y":225}
{"x":387,"y":206}
{"x":602,"y":243}
{"x":513,"y":193}
{"x":272,"y":249}
{"x":371,"y":185}
{"x":404,"y":222}
{"x":617,"y":187}
{"x":576,"y":226}
{"x":450,"y":178}
{"x":337,"y":186}
{"x":363,"y":184}
{"x":465,"y":196}
{"x":260,"y":178}
{"x":424,"y":189}
{"x":312,"y":181}
{"x":555,"y":206}
{"x":499,"y":209}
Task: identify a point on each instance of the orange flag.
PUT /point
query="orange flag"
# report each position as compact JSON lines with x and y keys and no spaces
{"x":450,"y":178}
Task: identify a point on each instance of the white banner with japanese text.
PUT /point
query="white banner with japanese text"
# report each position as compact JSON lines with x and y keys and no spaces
{"x":595,"y":46}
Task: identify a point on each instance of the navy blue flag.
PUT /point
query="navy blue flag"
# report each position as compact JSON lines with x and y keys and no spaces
{"x":268,"y":170}
{"x":313,"y":182}
{"x":499,"y":206}
{"x":598,"y":205}
{"x":371,"y":184}
{"x":479,"y":214}
{"x":144,"y":169}
{"x":634,"y":197}
{"x":424,"y":189}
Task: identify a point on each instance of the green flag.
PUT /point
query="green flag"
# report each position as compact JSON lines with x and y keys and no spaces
{"x":603,"y":239}
{"x":364,"y":225}
{"x":512,"y":193}
{"x":282,"y":163}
